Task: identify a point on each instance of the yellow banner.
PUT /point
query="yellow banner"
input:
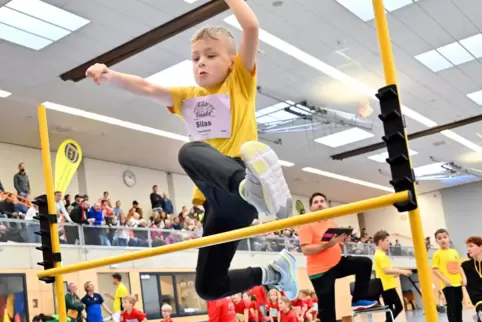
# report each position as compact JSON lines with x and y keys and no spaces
{"x":69,"y":156}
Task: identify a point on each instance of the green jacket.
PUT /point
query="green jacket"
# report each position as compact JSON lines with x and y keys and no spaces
{"x":72,"y":303}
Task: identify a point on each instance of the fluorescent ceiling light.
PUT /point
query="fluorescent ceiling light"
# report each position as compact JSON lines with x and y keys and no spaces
{"x":345,"y":137}
{"x":429,"y":169}
{"x":48,"y":13}
{"x":455,"y":53}
{"x":286,"y":163}
{"x":177,"y":75}
{"x":321,"y":66}
{"x":473,"y":44}
{"x":434,"y":61}
{"x":190,"y":1}
{"x":275,"y":114}
{"x":347,"y":179}
{"x":4,"y":94}
{"x":363,"y":9}
{"x":36,"y":24}
{"x":382,"y":157}
{"x":114,"y":121}
{"x":476,"y":97}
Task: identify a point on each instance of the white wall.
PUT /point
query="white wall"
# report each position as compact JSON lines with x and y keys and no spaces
{"x":345,"y":221}
{"x":395,"y":223}
{"x":12,"y":155}
{"x":183,"y":188}
{"x":107,"y":176}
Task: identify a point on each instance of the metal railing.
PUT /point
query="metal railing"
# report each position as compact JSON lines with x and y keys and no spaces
{"x":23,"y":231}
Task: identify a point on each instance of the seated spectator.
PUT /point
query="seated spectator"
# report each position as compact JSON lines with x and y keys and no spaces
{"x":67,"y":202}
{"x":106,"y":197}
{"x":135,"y":209}
{"x":77,"y":200}
{"x":155,"y":215}
{"x":32,"y":224}
{"x":7,"y":207}
{"x":117,"y":209}
{"x":107,"y":210}
{"x":141,"y":235}
{"x":176,"y":225}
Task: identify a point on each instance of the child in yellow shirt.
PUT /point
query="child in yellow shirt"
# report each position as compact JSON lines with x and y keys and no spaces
{"x":235,"y":176}
{"x":446,"y":266}
{"x":387,"y":274}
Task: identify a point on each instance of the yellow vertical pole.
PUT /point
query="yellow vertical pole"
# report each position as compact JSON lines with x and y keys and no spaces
{"x":49,"y":189}
{"x":421,"y":256}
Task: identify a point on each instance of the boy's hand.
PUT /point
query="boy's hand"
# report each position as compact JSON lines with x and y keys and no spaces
{"x":97,"y":72}
{"x":406,"y":272}
{"x":447,"y":283}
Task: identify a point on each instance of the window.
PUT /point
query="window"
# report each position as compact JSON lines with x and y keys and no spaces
{"x":175,"y":289}
{"x":13,"y":297}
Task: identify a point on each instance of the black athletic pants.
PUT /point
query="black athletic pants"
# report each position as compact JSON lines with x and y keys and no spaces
{"x":218,"y":178}
{"x":324,"y":285}
{"x":392,"y":300}
{"x":454,"y":297}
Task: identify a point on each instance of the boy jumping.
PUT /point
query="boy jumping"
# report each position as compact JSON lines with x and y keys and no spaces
{"x":235,"y":176}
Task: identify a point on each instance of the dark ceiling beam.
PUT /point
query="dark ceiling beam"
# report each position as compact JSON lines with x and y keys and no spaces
{"x":413,"y":136}
{"x":150,"y":38}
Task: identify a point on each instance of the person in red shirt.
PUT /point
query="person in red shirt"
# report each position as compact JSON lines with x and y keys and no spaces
{"x":130,"y":313}
{"x":221,"y":310}
{"x":314,"y":300}
{"x":286,"y":314}
{"x":272,"y":308}
{"x":261,"y":299}
{"x":307,"y":306}
{"x":250,"y":308}
{"x":297,"y":306}
{"x":166,"y":311}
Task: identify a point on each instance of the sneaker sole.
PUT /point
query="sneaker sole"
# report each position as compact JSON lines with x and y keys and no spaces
{"x":360,"y":308}
{"x":287,"y":257}
{"x":264,"y":164}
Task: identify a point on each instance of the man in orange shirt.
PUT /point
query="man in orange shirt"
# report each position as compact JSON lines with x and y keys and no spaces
{"x":325,"y":264}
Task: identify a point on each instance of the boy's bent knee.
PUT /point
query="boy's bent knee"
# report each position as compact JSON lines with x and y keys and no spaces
{"x":207,"y":290}
{"x":364,"y":261}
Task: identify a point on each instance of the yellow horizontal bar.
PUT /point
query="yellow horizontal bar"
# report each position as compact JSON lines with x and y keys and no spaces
{"x":352,"y":208}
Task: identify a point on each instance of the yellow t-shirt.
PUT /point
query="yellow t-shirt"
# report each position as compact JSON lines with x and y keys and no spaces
{"x":240,"y":85}
{"x":447,"y":261}
{"x":381,"y":262}
{"x":120,"y":292}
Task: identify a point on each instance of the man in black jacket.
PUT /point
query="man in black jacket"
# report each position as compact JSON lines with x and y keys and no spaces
{"x":157,"y":202}
{"x":78,"y":216}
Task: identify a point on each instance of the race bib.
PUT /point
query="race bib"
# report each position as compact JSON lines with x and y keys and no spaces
{"x":207,"y":117}
{"x":453,"y":267}
{"x":273,"y":312}
{"x":315,"y":306}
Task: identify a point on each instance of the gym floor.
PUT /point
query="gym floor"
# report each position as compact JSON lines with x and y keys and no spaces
{"x":418,"y":316}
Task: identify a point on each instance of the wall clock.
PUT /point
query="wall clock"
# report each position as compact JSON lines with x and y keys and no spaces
{"x":129,"y":178}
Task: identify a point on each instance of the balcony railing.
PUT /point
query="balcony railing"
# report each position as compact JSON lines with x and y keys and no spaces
{"x":22,"y":231}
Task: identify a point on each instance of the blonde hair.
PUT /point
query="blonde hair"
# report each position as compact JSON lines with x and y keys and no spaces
{"x":86,"y":285}
{"x":216,"y":33}
{"x":129,"y":298}
{"x":166,"y":307}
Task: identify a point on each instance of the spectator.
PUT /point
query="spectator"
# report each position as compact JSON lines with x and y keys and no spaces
{"x":221,"y":310}
{"x":73,"y":303}
{"x":77,"y":200}
{"x":167,"y":204}
{"x":48,"y":318}
{"x":120,"y":292}
{"x":106,"y":197}
{"x":61,"y":207}
{"x":135,"y":208}
{"x":117,"y":209}
{"x":157,"y":202}
{"x":32,"y":226}
{"x":21,"y":181}
{"x":94,"y":303}
{"x":95,"y":236}
{"x":123,"y":233}
{"x":67,"y":200}
{"x":166,"y":311}
{"x":176,"y":225}
{"x":7,"y":207}
{"x":107,"y":211}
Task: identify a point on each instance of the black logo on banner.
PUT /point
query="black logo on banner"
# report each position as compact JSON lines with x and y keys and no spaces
{"x":71,"y":152}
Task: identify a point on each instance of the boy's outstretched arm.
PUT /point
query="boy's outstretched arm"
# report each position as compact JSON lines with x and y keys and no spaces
{"x":134,"y":84}
{"x":248,"y":48}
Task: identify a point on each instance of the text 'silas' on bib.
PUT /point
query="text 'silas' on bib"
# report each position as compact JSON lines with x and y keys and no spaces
{"x":207,"y":117}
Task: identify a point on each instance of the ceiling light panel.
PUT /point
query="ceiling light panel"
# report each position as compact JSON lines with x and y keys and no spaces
{"x":455,"y":53}
{"x":353,"y":83}
{"x":434,"y":61}
{"x":35,"y":24}
{"x":473,"y":44}
{"x":345,"y":137}
{"x":177,"y":75}
{"x":476,"y":97}
{"x":347,"y":179}
{"x":4,"y":94}
{"x":286,"y":163}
